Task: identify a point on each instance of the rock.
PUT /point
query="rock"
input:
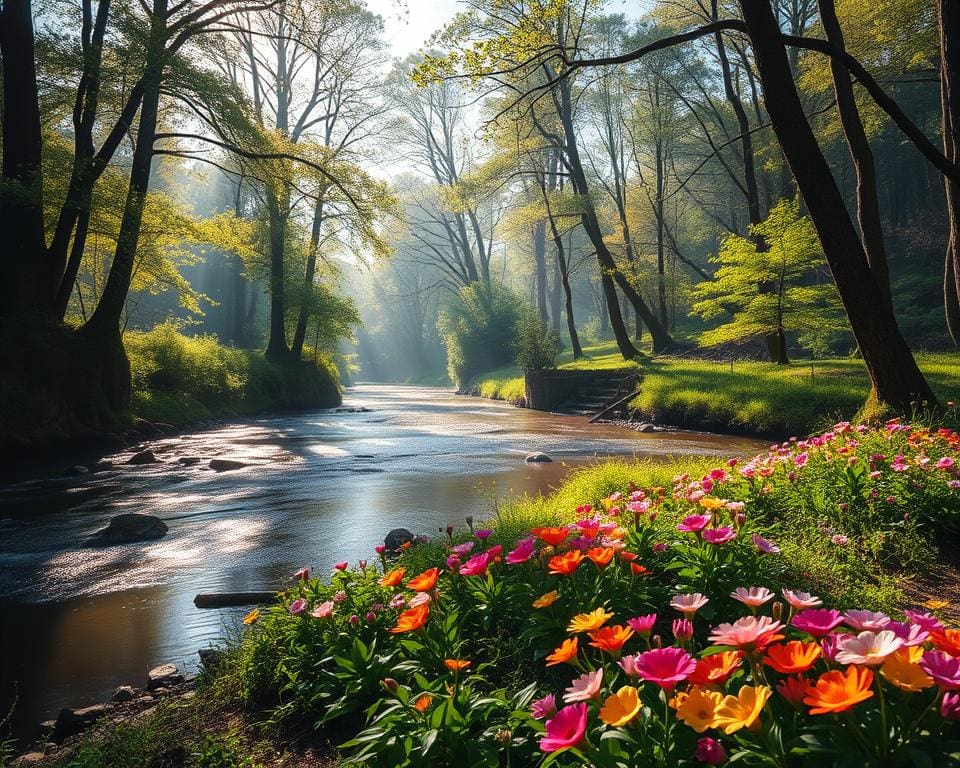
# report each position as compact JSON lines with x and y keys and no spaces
{"x":31,"y":758}
{"x":76,"y":469}
{"x":396,"y":538}
{"x":188,"y":461}
{"x":225,"y":465}
{"x":646,"y":427}
{"x":48,"y":725}
{"x":210,"y":658}
{"x":124,"y":693}
{"x":538,"y":458}
{"x":162,"y":677}
{"x":347,"y":409}
{"x":128,"y":528}
{"x":70,"y":722}
{"x":144,"y":457}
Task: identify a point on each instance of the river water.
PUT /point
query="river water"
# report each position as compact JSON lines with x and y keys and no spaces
{"x":319,"y":488}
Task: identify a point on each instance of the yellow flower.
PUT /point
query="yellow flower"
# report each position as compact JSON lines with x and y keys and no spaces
{"x":251,"y":617}
{"x":708,"y":503}
{"x":902,"y":670}
{"x":935,"y":605}
{"x":589,"y":622}
{"x":698,"y":708}
{"x":620,"y":708}
{"x":742,"y":710}
{"x":545,"y":601}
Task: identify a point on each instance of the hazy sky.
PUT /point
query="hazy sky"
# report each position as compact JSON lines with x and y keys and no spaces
{"x":410,"y":22}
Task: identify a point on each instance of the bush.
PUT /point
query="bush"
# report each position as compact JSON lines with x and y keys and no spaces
{"x":479,"y":329}
{"x":537,"y":344}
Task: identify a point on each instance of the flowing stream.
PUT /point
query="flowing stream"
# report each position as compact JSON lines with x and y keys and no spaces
{"x":318,"y":488}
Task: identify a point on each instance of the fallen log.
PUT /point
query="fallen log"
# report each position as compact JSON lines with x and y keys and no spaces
{"x":612,"y":406}
{"x":228,"y":599}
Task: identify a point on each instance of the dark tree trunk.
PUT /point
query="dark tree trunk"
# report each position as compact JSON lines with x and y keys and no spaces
{"x":306,"y":304}
{"x":239,"y":303}
{"x":565,"y":278}
{"x":868,"y":203}
{"x":661,"y":262}
{"x":62,"y":299}
{"x":949,"y":18}
{"x":540,"y":263}
{"x":896,"y":379}
{"x":556,"y":296}
{"x":277,"y":211}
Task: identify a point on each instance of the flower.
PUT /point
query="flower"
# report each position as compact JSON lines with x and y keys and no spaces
{"x":397,"y":601}
{"x":393,"y":578}
{"x":753,"y":597}
{"x":866,"y":620}
{"x":664,"y":667}
{"x":546,"y":600}
{"x":455,"y":665}
{"x":476,"y":565}
{"x":950,"y":706}
{"x":903,"y":670}
{"x":694,"y":523}
{"x":710,"y":751}
{"x":611,"y":639}
{"x":621,"y":707}
{"x":837,"y":691}
{"x":297,"y":606}
{"x":800,"y":600}
{"x":521,"y":553}
{"x":483,"y":533}
{"x":589,"y":622}
{"x":699,"y":707}
{"x":543,"y":708}
{"x":765,"y":546}
{"x":925,"y":620}
{"x":742,"y":710}
{"x":463,"y":549}
{"x":638,"y":570}
{"x":302,"y":575}
{"x":944,"y":670}
{"x":716,"y":668}
{"x":552,"y":536}
{"x":601,"y":556}
{"x":912,"y":634}
{"x":323,"y":611}
{"x":947,"y":640}
{"x":341,"y":566}
{"x":748,"y":632}
{"x":793,"y":657}
{"x":643,"y":625}
{"x":421,"y":598}
{"x":565,"y":729}
{"x":425,"y":581}
{"x":412,"y":619}
{"x":817,"y":622}
{"x":719,"y":536}
{"x":251,"y":617}
{"x":585,"y":687}
{"x":867,"y":648}
{"x":688,"y":605}
{"x":566,"y":563}
{"x":566,"y":652}
{"x":793,"y":689}
{"x":682,"y":630}
{"x":423,"y":703}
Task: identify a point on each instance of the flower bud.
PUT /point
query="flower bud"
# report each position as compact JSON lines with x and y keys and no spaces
{"x":390,"y":684}
{"x":504,"y":736}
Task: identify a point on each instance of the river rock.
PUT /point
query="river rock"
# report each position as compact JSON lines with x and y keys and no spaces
{"x":646,"y":427}
{"x":70,"y":722}
{"x":163,"y":676}
{"x":225,"y":465}
{"x":123,"y":694}
{"x":188,"y":461}
{"x":397,"y":538}
{"x":31,"y":758}
{"x":126,"y":528}
{"x":143,"y":457}
{"x":538,"y":458}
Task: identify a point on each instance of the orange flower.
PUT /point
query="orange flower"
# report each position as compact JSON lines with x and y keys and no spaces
{"x":412,"y":619}
{"x":612,"y":638}
{"x":455,"y":665}
{"x":251,"y":617}
{"x":601,"y":556}
{"x":589,"y":622}
{"x":837,"y":691}
{"x":948,"y":641}
{"x":566,"y":563}
{"x":563,"y":654}
{"x":639,"y":570}
{"x":627,"y":556}
{"x":716,"y":668}
{"x":406,"y":545}
{"x":545,"y":601}
{"x":552,"y":536}
{"x":393,"y":578}
{"x":425,"y":581}
{"x":423,"y":702}
{"x":792,"y":658}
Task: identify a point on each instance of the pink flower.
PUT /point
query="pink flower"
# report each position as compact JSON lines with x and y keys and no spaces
{"x":682,"y":630}
{"x":543,"y":708}
{"x":339,"y":596}
{"x":753,"y":597}
{"x":764,"y":545}
{"x":380,"y":549}
{"x":749,"y":631}
{"x":800,"y":600}
{"x":945,"y":670}
{"x":659,"y":546}
{"x":629,"y":665}
{"x":476,"y":565}
{"x":397,"y":602}
{"x":297,"y":606}
{"x":710,"y":751}
{"x":565,"y":729}
{"x":866,"y":620}
{"x":839,"y":540}
{"x":665,"y":667}
{"x":950,"y":706}
{"x":945,"y":463}
{"x":694,"y":523}
{"x":869,"y":649}
{"x":522,"y":552}
{"x":483,"y":533}
{"x":323,"y":611}
{"x":643,"y":625}
{"x":302,"y":575}
{"x":911,"y":634}
{"x":719,"y":536}
{"x":453,"y":561}
{"x":341,"y":566}
{"x":817,"y":622}
{"x":925,"y":620}
{"x":463,"y":549}
{"x":688,"y":605}
{"x":585,"y":687}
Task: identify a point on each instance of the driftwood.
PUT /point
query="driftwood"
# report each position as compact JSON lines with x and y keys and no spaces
{"x":227,"y":599}
{"x":616,"y":404}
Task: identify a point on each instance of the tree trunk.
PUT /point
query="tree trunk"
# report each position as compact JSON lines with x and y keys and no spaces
{"x":896,"y":379}
{"x":661,"y":262}
{"x":62,"y":299}
{"x":565,"y":278}
{"x":239,"y":303}
{"x":277,"y":211}
{"x":540,"y":262}
{"x":306,"y":304}
{"x":868,"y":203}
{"x":556,"y":296}
{"x":949,"y":18}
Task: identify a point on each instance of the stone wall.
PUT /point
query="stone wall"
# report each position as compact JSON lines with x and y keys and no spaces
{"x":547,"y":390}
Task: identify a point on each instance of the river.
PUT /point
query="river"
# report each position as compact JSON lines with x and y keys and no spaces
{"x":319,"y":488}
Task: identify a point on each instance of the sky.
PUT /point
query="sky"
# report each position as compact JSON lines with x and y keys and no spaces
{"x":410,"y":22}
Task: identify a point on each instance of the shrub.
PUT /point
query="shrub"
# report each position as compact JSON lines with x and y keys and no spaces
{"x":537,"y":344}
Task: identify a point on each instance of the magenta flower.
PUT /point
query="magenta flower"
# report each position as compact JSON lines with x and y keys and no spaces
{"x":643,"y":625}
{"x":463,"y":549}
{"x":323,"y":611}
{"x":945,"y":463}
{"x":659,"y":547}
{"x":862,"y":621}
{"x":380,"y":549}
{"x":397,"y":602}
{"x":925,"y":620}
{"x":453,"y":561}
{"x":911,"y":634}
{"x":522,"y":552}
{"x":341,"y":566}
{"x":297,"y":606}
{"x":665,"y":667}
{"x":694,"y":523}
{"x":950,"y":706}
{"x":710,"y":751}
{"x":543,"y":708}
{"x":817,"y":622}
{"x":682,"y":630}
{"x":765,"y":546}
{"x":476,"y":566}
{"x":945,"y":670}
{"x":565,"y":729}
{"x":719,"y":536}
{"x":483,"y":533}
{"x":339,"y":596}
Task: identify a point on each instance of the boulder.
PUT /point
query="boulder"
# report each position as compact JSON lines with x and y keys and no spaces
{"x":143,"y":457}
{"x":396,"y":538}
{"x":646,"y":427}
{"x":164,"y":676}
{"x":538,"y":458}
{"x":126,"y":528}
{"x":70,"y":722}
{"x":123,"y":694}
{"x":188,"y":461}
{"x":225,"y":465}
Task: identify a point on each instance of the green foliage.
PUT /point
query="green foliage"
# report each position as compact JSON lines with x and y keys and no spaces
{"x":792,"y":299}
{"x":479,"y":329}
{"x":537,"y":344}
{"x":217,"y":753}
